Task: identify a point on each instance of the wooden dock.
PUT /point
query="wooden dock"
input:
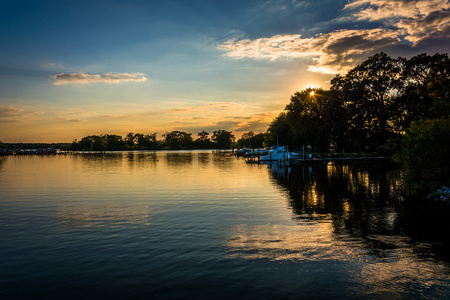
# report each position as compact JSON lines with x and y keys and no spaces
{"x":256,"y":159}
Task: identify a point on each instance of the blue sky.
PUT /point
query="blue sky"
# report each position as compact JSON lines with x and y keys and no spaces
{"x":74,"y":68}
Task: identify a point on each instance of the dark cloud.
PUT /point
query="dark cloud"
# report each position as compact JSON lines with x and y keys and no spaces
{"x":423,"y":24}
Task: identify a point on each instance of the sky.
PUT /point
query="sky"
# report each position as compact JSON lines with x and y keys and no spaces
{"x":69,"y":69}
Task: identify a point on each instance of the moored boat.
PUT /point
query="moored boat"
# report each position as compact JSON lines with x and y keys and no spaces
{"x":277,"y":153}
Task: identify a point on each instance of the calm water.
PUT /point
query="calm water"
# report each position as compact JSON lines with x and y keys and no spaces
{"x":197,"y":225}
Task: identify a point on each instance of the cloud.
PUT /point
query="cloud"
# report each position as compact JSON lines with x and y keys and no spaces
{"x":335,"y":52}
{"x":9,"y":111}
{"x":14,"y":112}
{"x":416,"y":20}
{"x":380,"y":9}
{"x":81,"y":78}
{"x":403,"y":22}
{"x":71,"y":120}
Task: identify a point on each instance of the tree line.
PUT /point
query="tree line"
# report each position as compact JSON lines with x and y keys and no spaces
{"x":386,"y":106}
{"x":174,"y":140}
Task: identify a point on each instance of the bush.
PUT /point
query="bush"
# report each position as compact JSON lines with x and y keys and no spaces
{"x":424,"y":155}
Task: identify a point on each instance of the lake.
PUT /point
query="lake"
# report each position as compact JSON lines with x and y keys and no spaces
{"x":202,"y":225}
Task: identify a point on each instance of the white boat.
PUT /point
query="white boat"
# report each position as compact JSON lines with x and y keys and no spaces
{"x":259,"y":152}
{"x":295,"y":155}
{"x":277,"y":153}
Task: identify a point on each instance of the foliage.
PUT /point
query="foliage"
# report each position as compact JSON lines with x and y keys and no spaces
{"x":224,"y":139}
{"x":279,"y":132}
{"x":250,"y":139}
{"x":424,"y":155}
{"x":176,"y":140}
{"x":369,"y":108}
{"x":203,"y":141}
{"x":303,"y":122}
{"x":426,"y":89}
{"x":99,"y":143}
{"x":145,"y":141}
{"x":367,"y":94}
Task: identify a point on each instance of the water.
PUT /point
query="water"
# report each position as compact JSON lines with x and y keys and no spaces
{"x":197,"y":225}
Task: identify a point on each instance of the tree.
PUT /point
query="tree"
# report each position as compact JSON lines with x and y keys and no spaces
{"x":203,"y":141}
{"x":368,"y":94}
{"x":224,"y":139}
{"x":114,"y":142}
{"x":305,"y":115}
{"x":250,"y":139}
{"x":147,"y":141}
{"x":93,"y":142}
{"x":130,"y":139}
{"x":203,"y":136}
{"x":424,"y":155}
{"x":303,"y":122}
{"x":426,"y":89}
{"x":176,"y":140}
{"x":279,"y":132}
{"x":247,"y":135}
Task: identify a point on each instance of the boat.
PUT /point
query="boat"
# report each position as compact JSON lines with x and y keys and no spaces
{"x":243,"y":151}
{"x":259,"y":152}
{"x":276,"y":153}
{"x":295,"y":155}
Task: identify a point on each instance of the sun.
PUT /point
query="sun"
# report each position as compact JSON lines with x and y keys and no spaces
{"x":312,"y":93}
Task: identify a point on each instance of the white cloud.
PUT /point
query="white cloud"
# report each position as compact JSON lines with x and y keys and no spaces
{"x":380,"y":9}
{"x":416,"y":20}
{"x":333,"y":53}
{"x":81,"y":78}
{"x":405,"y":22}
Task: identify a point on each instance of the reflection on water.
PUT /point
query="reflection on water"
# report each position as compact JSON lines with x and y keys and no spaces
{"x":90,"y":216}
{"x":198,"y":225}
{"x":312,"y":241}
{"x":349,"y":214}
{"x":361,"y":199}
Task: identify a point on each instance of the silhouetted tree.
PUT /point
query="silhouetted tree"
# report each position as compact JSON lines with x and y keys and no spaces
{"x":424,"y":155}
{"x":306,"y":116}
{"x":250,"y":139}
{"x":279,"y":132}
{"x":114,"y":142}
{"x":130,"y":139}
{"x":223,"y":139}
{"x":426,"y":89}
{"x":203,"y":141}
{"x":368,"y":94}
{"x":178,"y":140}
{"x":145,"y":141}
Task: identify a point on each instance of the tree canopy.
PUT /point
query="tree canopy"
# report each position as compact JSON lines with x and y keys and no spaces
{"x":224,"y":139}
{"x":368,"y":107}
{"x":173,"y":140}
{"x":251,"y":139}
{"x":384,"y":105}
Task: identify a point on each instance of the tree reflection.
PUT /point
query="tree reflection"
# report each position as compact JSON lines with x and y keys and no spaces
{"x":99,"y":161}
{"x":178,"y":159}
{"x":141,"y":159}
{"x":2,"y":162}
{"x":362,"y":199}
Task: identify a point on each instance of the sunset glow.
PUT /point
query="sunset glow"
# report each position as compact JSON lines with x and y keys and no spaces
{"x":151,"y":66}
